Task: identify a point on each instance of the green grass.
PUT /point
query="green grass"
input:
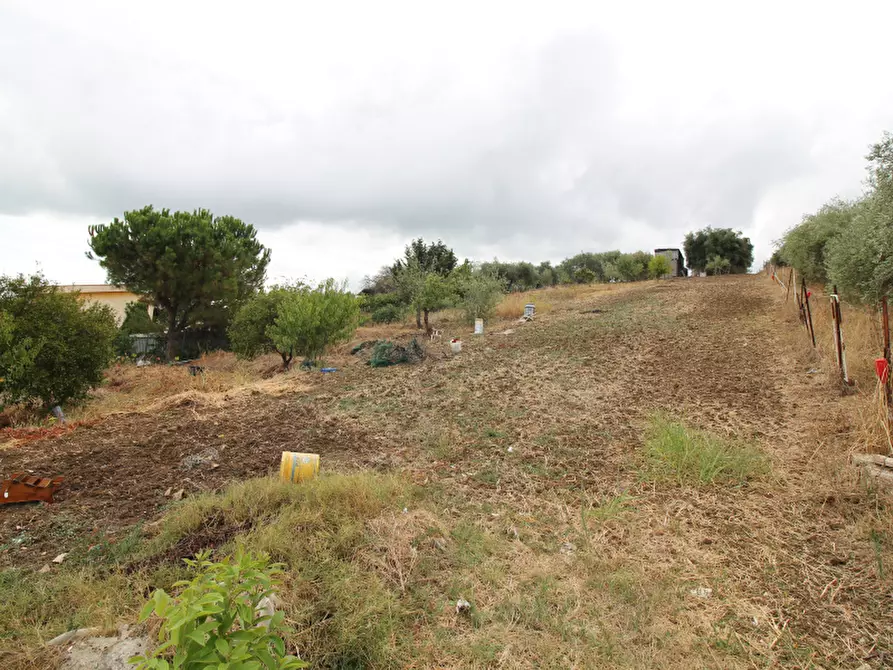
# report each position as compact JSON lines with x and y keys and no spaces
{"x":677,"y":452}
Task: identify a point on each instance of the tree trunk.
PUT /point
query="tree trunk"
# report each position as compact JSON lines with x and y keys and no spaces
{"x":418,"y":317}
{"x":171,"y":336}
{"x":286,"y":359}
{"x":427,"y":327}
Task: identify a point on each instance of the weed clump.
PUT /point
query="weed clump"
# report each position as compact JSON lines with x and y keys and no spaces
{"x":675,"y":451}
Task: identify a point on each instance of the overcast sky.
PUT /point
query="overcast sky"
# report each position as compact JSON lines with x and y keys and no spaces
{"x":523,"y":130}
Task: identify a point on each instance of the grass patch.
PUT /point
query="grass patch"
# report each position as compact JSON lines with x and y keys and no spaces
{"x":677,"y":452}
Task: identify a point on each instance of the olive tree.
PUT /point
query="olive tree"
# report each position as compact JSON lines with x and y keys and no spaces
{"x":309,"y":321}
{"x":248,"y":333}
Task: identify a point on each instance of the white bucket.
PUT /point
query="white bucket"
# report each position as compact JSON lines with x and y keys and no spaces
{"x":478,"y":326}
{"x":529,"y":309}
{"x":456,"y":346}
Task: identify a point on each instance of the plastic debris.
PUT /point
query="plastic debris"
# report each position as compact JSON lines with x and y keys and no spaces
{"x":463,"y":606}
{"x":702,"y":592}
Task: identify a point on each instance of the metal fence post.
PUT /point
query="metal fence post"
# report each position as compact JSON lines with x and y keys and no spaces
{"x":808,"y":311}
{"x":888,"y":385}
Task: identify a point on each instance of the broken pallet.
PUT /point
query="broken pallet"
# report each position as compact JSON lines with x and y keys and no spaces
{"x":22,"y":487}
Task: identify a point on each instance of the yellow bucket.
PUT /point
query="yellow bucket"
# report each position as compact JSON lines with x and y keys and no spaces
{"x":298,"y":467}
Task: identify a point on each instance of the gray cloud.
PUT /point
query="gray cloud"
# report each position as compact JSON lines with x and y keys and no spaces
{"x":543,"y":147}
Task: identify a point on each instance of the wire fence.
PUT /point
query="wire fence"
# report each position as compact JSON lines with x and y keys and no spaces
{"x":871,"y":336}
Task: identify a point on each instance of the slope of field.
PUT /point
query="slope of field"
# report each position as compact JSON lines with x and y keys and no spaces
{"x":522,"y":484}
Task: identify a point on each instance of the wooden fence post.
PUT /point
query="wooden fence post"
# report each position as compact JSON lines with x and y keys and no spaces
{"x":787,"y":292}
{"x":837,"y":320}
{"x":805,"y":294}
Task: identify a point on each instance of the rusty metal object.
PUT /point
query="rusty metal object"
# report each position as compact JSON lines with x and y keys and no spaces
{"x":805,"y":296}
{"x":22,"y":487}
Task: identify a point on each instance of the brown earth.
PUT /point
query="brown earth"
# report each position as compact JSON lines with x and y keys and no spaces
{"x":798,"y":581}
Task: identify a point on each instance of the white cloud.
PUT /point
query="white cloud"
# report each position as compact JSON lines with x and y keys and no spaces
{"x":523,"y":130}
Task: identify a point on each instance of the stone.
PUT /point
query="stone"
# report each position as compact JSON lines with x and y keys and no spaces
{"x":204,"y":457}
{"x":463,"y":606}
{"x":45,"y":569}
{"x":179,"y":495}
{"x":60,"y":557}
{"x":104,"y":653}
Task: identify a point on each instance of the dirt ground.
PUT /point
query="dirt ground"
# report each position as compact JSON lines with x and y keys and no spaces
{"x":540,"y":423}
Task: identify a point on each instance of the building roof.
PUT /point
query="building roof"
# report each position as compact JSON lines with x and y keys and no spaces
{"x":95,"y":288}
{"x":667,"y":249}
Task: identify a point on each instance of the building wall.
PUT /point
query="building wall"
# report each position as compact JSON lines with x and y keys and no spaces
{"x":672,"y":256}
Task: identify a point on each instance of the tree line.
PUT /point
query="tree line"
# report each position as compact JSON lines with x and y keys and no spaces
{"x":206,"y":276}
{"x":849,"y":243}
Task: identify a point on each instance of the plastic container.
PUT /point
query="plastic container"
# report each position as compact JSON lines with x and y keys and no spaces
{"x":529,"y":310}
{"x":297,"y":467}
{"x":478,"y":326}
{"x":456,"y":346}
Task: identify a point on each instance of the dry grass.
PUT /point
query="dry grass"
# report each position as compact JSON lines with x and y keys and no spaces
{"x":512,"y":479}
{"x":863,"y":343}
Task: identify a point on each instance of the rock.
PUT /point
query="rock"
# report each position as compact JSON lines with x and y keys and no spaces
{"x":179,"y":495}
{"x":104,"y":653}
{"x":463,"y":606}
{"x":70,"y":635}
{"x":702,"y":592}
{"x":170,"y":489}
{"x":204,"y":457}
{"x":568,"y":548}
{"x":60,"y":557}
{"x":45,"y":569}
{"x":267,"y":608}
{"x":439,"y":543}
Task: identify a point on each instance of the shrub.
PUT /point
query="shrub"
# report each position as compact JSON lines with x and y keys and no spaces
{"x":804,"y":247}
{"x":659,"y":266}
{"x":311,"y":320}
{"x":215,"y":620}
{"x":675,"y":451}
{"x":584,"y":275}
{"x":481,"y":292}
{"x":55,"y":347}
{"x":718,"y":266}
{"x":248,"y":332}
{"x":388,"y":314}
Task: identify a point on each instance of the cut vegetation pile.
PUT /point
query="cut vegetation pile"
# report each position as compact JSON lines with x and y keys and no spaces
{"x":658,"y":484}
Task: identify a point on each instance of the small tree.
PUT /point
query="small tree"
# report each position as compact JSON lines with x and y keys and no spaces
{"x":419,"y":260}
{"x":248,"y":332}
{"x":583,"y":275}
{"x":480,"y":292}
{"x":629,"y":267}
{"x":195,"y":266}
{"x":309,"y":321}
{"x":217,"y":621}
{"x":659,"y":266}
{"x":53,"y":347}
{"x":718,"y":266}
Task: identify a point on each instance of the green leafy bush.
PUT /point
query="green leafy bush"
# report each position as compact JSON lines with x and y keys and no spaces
{"x":248,"y":332}
{"x":804,"y":247}
{"x":53,"y":347}
{"x":701,"y":246}
{"x":388,"y":314}
{"x":216,"y":622}
{"x":481,"y":293}
{"x":718,"y":265}
{"x":658,"y":266}
{"x":309,"y":321}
